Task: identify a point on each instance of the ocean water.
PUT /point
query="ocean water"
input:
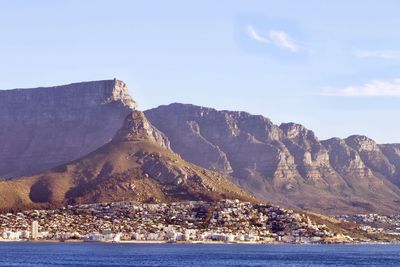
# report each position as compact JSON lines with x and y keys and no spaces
{"x":101,"y":254}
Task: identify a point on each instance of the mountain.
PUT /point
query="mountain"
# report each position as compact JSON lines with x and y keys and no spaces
{"x":42,"y":128}
{"x":87,"y":142}
{"x":286,"y":164}
{"x":136,"y":164}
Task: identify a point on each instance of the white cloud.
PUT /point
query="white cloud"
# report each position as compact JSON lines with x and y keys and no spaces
{"x":275,"y":37}
{"x":282,"y":39}
{"x":372,"y":88}
{"x":254,"y":35}
{"x":384,"y":54}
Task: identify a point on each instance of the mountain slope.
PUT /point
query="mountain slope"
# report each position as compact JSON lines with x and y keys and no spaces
{"x":133,"y":166}
{"x":286,"y":164}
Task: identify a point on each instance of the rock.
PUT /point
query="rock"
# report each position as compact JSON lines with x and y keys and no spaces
{"x":371,"y":155}
{"x":137,"y":128}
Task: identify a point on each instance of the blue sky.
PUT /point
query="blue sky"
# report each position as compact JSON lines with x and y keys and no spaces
{"x":330,"y":65}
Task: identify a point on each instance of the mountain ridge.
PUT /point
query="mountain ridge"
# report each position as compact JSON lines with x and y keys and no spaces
{"x":70,"y":143}
{"x":286,"y":164}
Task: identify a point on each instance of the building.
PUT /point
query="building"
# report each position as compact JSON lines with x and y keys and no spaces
{"x":35,"y":230}
{"x":94,"y":237}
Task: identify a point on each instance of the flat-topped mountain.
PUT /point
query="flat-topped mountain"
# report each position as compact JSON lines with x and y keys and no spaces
{"x":44,"y":127}
{"x":132,"y":160}
{"x":286,"y":164}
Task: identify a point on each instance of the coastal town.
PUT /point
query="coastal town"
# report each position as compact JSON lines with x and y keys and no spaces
{"x":373,"y":223}
{"x":228,"y":221}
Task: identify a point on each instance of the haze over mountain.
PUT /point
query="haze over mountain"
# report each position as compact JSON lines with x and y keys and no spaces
{"x":127,"y":158}
{"x":286,"y":164}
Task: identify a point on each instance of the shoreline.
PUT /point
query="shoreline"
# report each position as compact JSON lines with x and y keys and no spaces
{"x":156,"y":242}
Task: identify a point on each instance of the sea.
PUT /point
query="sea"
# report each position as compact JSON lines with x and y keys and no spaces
{"x":109,"y":254}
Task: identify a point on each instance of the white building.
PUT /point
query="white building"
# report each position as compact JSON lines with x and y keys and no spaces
{"x":94,"y":237}
{"x":190,"y":234}
{"x":105,"y":236}
{"x":9,"y":235}
{"x":35,"y":230}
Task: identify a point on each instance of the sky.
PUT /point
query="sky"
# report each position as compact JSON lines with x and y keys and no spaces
{"x":333,"y":66}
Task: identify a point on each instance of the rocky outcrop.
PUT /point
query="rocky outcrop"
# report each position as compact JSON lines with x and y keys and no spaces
{"x":371,"y":154}
{"x":286,"y":164}
{"x":136,"y":127}
{"x":346,"y":160}
{"x":45,"y":127}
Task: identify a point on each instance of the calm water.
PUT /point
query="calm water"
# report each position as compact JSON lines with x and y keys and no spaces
{"x":91,"y":254}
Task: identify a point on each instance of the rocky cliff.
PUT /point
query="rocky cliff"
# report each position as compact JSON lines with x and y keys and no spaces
{"x":286,"y":164}
{"x":44,"y":127}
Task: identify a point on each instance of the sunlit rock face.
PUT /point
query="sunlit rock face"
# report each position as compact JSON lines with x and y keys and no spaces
{"x":286,"y":164}
{"x":371,"y":153}
{"x":41,"y":128}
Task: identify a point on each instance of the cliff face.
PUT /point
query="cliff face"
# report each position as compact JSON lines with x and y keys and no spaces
{"x":44,"y":127}
{"x":286,"y":164}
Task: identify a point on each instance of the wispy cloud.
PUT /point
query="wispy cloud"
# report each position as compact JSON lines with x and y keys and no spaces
{"x":282,"y":39}
{"x":372,"y":88}
{"x":384,"y":54}
{"x":254,"y":35}
{"x":275,"y":37}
